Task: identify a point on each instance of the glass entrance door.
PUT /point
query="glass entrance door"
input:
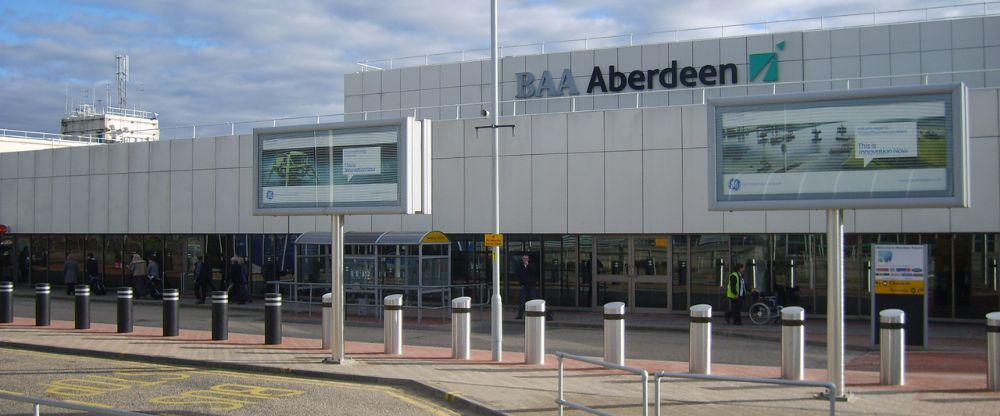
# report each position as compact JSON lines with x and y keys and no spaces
{"x":633,"y":270}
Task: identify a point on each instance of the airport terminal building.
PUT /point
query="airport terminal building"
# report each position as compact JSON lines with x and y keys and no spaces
{"x":603,"y":176}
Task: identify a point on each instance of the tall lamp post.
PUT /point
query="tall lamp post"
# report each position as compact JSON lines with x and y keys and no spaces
{"x":496,"y":304}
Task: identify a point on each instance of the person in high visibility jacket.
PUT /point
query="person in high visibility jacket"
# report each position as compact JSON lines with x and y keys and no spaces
{"x":736,"y":289}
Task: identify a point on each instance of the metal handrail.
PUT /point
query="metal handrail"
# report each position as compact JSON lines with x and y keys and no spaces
{"x":562,"y":402}
{"x":830,"y":387}
{"x":712,"y":32}
{"x":37,"y":402}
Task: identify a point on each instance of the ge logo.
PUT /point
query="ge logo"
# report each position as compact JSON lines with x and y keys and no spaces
{"x":270,"y":194}
{"x":734,"y":184}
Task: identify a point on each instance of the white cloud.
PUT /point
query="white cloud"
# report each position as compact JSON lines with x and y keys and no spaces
{"x":202,"y":61}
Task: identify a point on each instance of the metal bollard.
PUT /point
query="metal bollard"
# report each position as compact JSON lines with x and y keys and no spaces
{"x":793,"y":342}
{"x":534,"y":331}
{"x":6,"y":302}
{"x":327,"y":310}
{"x":393,"y":323}
{"x":124,"y":310}
{"x":82,"y":302}
{"x":171,"y":303}
{"x":614,"y":332}
{"x":272,"y":319}
{"x":42,"y":304}
{"x":892,"y":351}
{"x":700,"y":343}
{"x":993,"y":351}
{"x":220,"y":316}
{"x":461,"y":311}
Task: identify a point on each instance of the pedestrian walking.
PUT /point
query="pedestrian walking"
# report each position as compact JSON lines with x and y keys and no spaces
{"x":140,"y":279}
{"x":736,"y":289}
{"x":527,"y":274}
{"x":71,"y":273}
{"x":203,"y":285}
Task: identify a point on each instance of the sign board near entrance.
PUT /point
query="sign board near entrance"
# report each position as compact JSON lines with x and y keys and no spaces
{"x":369,"y":167}
{"x":493,"y":240}
{"x":900,"y":147}
{"x":899,"y":269}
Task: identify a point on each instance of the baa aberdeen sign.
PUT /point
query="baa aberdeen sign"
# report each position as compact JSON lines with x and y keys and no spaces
{"x":529,"y":86}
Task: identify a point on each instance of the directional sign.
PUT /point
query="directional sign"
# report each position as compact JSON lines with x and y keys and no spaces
{"x":493,"y":240}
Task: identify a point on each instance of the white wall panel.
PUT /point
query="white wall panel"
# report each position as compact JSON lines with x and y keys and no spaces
{"x":409,"y":79}
{"x":371,"y":82}
{"x":582,"y":62}
{"x":875,"y":40}
{"x":181,"y":205}
{"x":248,"y":223}
{"x":515,"y":195}
{"x":8,"y":165}
{"x":100,"y":159}
{"x":181,"y":154}
{"x":606,"y":57}
{"x":303,"y":224}
{"x":586,"y":132}
{"x":695,"y":126}
{"x":274,"y":224}
{"x":630,"y":58}
{"x":43,"y":205}
{"x":227,"y":152}
{"x":586,"y":192}
{"x":61,"y":161}
{"x":967,"y":33}
{"x":387,"y":222}
{"x":43,"y":163}
{"x":480,"y":144}
{"x":549,"y":194}
{"x":25,"y":206}
{"x":935,"y":35}
{"x":934,"y":220}
{"x":8,"y":204}
{"x":138,"y":203}
{"x":549,"y":134}
{"x":787,"y":222}
{"x":138,"y":157}
{"x":99,"y":204}
{"x":662,"y":203}
{"x":983,"y":213}
{"x":447,"y":139}
{"x":352,"y":83}
{"x":879,"y":220}
{"x":845,"y":42}
{"x":361,"y":223}
{"x":62,"y":204}
{"x":697,"y":217}
{"x":904,"y":38}
{"x":661,"y":128}
{"x":682,"y":52}
{"x":816,"y":45}
{"x":478,"y":195}
{"x":80,"y":160}
{"x":203,"y":199}
{"x":227,"y":188}
{"x":623,"y":185}
{"x":449,"y":195}
{"x":430,"y":76}
{"x":983,"y":110}
{"x":472,"y":72}
{"x":118,"y":157}
{"x":159,"y":156}
{"x":417,"y":223}
{"x":159,"y":202}
{"x":26,"y":164}
{"x":246,"y":150}
{"x":623,"y":130}
{"x":517,"y":142}
{"x":203,"y":153}
{"x":743,"y":222}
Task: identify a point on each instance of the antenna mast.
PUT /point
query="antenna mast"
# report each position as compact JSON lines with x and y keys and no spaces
{"x":122,"y":76}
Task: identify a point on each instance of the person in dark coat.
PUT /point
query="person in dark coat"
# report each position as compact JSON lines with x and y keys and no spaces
{"x":237,"y":281}
{"x":24,"y":263}
{"x":527,"y":274}
{"x":203,"y":285}
{"x":71,"y":273}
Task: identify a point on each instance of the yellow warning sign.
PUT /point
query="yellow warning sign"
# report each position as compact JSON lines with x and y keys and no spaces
{"x":899,"y":287}
{"x":493,"y":240}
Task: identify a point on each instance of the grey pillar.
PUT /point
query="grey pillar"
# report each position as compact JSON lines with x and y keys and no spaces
{"x":82,"y":307}
{"x":124,"y":310}
{"x":272,"y":318}
{"x":614,"y":332}
{"x":700,"y":347}
{"x":892,"y":351}
{"x":171,"y":307}
{"x":993,"y":351}
{"x":220,"y":316}
{"x":461,"y":309}
{"x":793,"y":342}
{"x":42,"y":304}
{"x":534,"y":332}
{"x":6,"y":302}
{"x":393,"y":324}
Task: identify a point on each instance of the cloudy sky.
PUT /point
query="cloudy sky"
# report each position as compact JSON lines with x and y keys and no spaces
{"x":197,"y":61}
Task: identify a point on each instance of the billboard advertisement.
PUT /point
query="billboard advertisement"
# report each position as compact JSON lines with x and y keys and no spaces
{"x":868,"y":148}
{"x":341,"y":168}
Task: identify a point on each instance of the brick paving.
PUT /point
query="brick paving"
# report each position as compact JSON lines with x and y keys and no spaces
{"x":949,"y":381}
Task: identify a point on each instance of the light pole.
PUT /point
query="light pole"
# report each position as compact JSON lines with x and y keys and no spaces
{"x":496,"y":304}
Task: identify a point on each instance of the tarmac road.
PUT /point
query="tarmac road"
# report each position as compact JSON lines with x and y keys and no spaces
{"x":175,"y":390}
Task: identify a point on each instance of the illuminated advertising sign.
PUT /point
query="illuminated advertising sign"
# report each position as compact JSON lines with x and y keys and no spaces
{"x":902,"y":147}
{"x":375,"y":167}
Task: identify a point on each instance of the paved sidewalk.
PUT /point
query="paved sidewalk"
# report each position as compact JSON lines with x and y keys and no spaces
{"x":938,"y":382}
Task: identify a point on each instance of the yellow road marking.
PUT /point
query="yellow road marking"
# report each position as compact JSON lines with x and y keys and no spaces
{"x":101,"y":405}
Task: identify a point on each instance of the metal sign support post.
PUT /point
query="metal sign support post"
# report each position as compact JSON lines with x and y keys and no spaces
{"x":336,"y":290}
{"x":835,"y":300}
{"x":496,"y":304}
